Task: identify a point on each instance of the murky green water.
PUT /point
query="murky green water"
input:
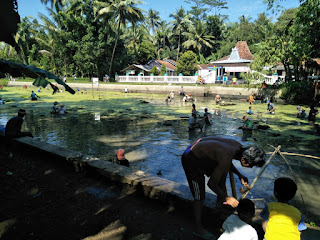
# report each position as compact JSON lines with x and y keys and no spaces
{"x":155,"y":134}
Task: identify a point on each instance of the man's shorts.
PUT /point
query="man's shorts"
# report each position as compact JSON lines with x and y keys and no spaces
{"x":194,"y":176}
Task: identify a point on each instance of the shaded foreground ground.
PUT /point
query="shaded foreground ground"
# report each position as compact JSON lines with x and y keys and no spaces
{"x":43,"y":198}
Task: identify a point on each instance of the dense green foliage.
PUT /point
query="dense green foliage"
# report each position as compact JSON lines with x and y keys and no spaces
{"x":187,"y":64}
{"x":93,"y":38}
{"x":297,"y":92}
{"x":163,"y":70}
{"x":154,"y":71}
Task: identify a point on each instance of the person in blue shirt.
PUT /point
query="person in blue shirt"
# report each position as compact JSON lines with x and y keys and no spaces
{"x":250,"y":111}
{"x":34,"y":96}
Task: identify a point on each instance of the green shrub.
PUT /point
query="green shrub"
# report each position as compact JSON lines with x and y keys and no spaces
{"x":163,"y":70}
{"x":155,"y":71}
{"x":187,"y":64}
{"x":4,"y":82}
{"x":297,"y":92}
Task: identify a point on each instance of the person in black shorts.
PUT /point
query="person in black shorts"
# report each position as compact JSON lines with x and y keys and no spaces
{"x":212,"y":156}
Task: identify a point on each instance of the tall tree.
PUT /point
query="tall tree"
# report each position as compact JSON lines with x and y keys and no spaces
{"x":180,"y":24}
{"x":163,"y":36}
{"x":134,"y":37}
{"x":122,"y":11}
{"x":153,"y":20}
{"x":197,"y":38}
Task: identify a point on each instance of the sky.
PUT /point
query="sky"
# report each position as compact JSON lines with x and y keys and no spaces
{"x":236,"y":8}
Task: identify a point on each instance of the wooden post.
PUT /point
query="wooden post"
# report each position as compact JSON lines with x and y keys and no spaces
{"x":261,"y":171}
{"x":233,"y":186}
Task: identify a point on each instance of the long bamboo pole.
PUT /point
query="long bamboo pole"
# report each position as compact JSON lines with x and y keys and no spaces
{"x":261,"y":171}
{"x":297,"y":154}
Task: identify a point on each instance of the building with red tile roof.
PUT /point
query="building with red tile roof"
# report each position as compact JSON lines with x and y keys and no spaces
{"x":145,"y":69}
{"x":229,"y":66}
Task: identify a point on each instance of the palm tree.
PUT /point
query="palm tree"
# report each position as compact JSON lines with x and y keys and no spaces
{"x":24,"y":39}
{"x":134,"y":37}
{"x":197,"y":37}
{"x":180,"y":23}
{"x":163,"y":36}
{"x":50,"y":33}
{"x":53,"y":2}
{"x":122,"y":11}
{"x":153,"y":20}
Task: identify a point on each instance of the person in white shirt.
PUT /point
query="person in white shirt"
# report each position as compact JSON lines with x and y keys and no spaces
{"x":62,"y":110}
{"x":237,"y":226}
{"x":172,"y":95}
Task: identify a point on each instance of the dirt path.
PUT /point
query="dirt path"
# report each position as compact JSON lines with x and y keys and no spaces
{"x":44,"y":198}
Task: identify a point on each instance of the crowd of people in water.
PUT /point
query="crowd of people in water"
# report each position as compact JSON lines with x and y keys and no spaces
{"x":212,"y":157}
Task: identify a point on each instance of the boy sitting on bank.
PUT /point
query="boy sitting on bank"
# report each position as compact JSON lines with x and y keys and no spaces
{"x":237,"y":227}
{"x":280,"y":219}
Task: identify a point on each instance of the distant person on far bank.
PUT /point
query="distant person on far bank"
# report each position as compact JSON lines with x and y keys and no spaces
{"x":13,"y":126}
{"x":234,"y":81}
{"x":270,"y":107}
{"x":126,"y":90}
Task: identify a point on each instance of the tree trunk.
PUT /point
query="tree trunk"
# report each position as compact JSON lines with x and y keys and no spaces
{"x":114,"y":50}
{"x":178,"y":46}
{"x":288,"y":72}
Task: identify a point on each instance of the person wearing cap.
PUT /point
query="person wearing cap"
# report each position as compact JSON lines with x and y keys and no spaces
{"x":270,"y":108}
{"x":212,"y":156}
{"x":121,"y":158}
{"x":54,"y":108}
{"x":13,"y":126}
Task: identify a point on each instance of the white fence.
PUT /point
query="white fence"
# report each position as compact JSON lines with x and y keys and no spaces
{"x":158,"y":79}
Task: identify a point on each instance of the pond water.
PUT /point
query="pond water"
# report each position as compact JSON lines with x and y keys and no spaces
{"x":152,"y":143}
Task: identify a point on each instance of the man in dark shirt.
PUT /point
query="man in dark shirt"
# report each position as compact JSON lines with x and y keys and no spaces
{"x":13,"y":127}
{"x":212,"y":156}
